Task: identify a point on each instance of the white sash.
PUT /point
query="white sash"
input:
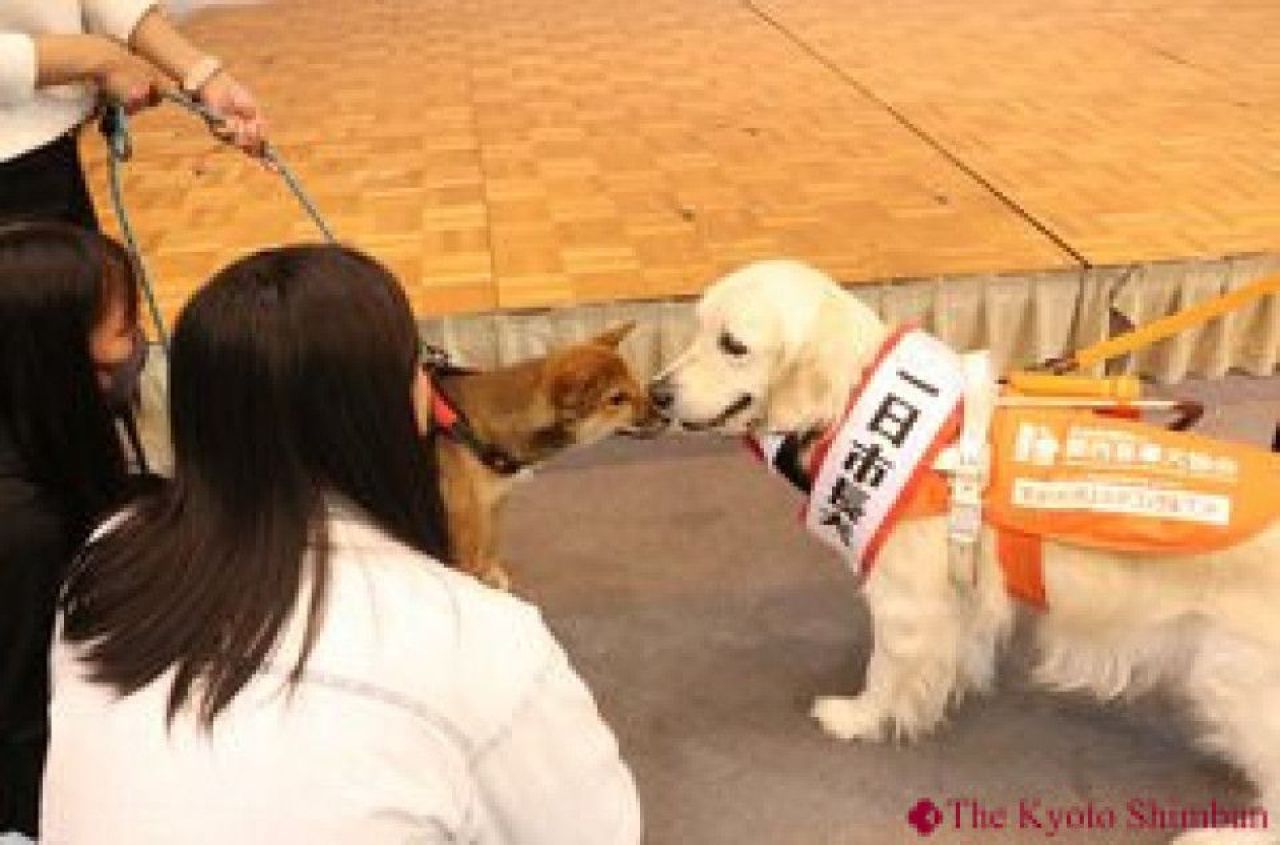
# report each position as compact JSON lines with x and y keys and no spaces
{"x":882,"y":443}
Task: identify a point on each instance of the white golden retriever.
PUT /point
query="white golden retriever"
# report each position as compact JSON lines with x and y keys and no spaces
{"x":779,"y":347}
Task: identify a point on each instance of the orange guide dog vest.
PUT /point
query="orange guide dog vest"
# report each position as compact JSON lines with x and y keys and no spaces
{"x":1087,"y":479}
{"x":1096,"y":481}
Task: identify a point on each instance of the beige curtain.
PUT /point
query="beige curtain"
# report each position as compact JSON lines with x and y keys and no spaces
{"x":1021,"y":319}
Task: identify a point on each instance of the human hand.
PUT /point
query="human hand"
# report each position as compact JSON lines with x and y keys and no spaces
{"x":127,"y":79}
{"x":242,"y":122}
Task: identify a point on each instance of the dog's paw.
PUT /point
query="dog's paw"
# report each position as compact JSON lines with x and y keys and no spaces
{"x":849,"y":718}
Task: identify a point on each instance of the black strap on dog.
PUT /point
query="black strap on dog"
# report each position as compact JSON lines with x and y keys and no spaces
{"x":494,"y":457}
{"x":788,"y":461}
{"x":451,"y":421}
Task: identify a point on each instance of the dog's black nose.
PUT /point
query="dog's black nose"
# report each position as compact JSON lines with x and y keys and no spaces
{"x":661,"y":394}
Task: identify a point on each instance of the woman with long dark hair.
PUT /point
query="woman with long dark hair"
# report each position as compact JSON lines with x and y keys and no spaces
{"x":271,"y":650}
{"x":69,"y":362}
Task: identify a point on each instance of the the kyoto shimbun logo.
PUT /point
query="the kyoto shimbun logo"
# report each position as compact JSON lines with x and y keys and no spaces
{"x":925,"y":817}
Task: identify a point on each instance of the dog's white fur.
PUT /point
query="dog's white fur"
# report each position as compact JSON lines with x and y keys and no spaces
{"x":1207,"y":627}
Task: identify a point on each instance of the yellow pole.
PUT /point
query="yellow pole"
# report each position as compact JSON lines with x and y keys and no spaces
{"x":1158,"y":330}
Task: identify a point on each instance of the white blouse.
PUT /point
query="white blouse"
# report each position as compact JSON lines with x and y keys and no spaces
{"x":433,"y":709}
{"x":30,"y":117}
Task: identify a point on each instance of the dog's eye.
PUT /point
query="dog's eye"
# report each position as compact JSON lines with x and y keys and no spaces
{"x":618,"y":399}
{"x":730,"y":345}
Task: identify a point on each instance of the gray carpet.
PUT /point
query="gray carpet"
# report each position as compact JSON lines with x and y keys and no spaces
{"x":705,"y":621}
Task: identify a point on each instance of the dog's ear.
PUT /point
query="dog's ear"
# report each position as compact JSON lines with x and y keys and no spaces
{"x":614,"y":336}
{"x":799,"y":396}
{"x":801,"y":385}
{"x":814,"y":379}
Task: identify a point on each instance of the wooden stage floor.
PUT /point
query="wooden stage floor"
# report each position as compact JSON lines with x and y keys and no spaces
{"x":523,"y":154}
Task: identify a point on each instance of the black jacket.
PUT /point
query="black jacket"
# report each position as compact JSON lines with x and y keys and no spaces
{"x":35,"y":547}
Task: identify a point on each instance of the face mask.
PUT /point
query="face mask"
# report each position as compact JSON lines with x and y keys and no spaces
{"x":125,"y":378}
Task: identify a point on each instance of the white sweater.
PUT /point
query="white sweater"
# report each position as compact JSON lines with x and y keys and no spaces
{"x":433,"y":710}
{"x":30,"y":117}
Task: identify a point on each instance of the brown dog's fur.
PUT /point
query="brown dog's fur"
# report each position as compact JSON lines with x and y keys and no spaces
{"x":533,"y":410}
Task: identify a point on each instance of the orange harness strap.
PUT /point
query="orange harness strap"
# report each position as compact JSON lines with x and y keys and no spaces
{"x":1022,"y":559}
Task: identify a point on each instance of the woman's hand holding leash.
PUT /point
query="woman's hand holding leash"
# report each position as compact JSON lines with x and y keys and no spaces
{"x":230,"y":110}
{"x":241,"y":123}
{"x":134,"y":83}
{"x":122,"y":76}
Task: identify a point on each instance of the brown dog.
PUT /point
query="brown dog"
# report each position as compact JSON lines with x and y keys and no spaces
{"x":512,"y":419}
